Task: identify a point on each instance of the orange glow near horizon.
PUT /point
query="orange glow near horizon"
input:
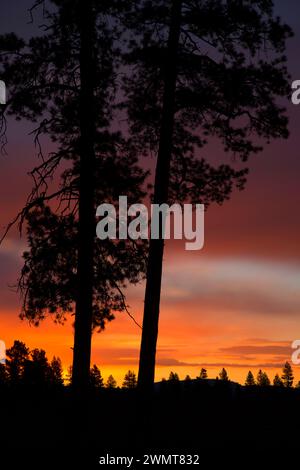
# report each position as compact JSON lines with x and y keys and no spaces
{"x":192,"y":335}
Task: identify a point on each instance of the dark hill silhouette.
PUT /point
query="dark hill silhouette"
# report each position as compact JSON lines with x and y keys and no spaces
{"x":204,"y":419}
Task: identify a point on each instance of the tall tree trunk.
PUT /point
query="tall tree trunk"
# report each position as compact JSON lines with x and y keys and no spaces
{"x":84,"y":302}
{"x":162,"y":178}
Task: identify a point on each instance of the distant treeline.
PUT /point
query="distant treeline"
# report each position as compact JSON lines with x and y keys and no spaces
{"x":25,"y":367}
{"x":262,"y":379}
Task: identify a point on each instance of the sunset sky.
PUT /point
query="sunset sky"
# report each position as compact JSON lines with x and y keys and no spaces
{"x":236,"y":303}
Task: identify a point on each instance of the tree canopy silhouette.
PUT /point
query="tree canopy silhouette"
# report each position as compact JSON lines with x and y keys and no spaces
{"x":203,"y":373}
{"x":18,"y":355}
{"x":250,"y":380}
{"x":173,"y":377}
{"x":262,"y":379}
{"x":287,"y":375}
{"x":25,"y":368}
{"x":96,"y":379}
{"x":111,"y":382}
{"x":130,"y":381}
{"x":223,"y":375}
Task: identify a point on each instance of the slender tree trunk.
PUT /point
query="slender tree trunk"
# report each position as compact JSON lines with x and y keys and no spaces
{"x":162,"y":177}
{"x":84,"y":301}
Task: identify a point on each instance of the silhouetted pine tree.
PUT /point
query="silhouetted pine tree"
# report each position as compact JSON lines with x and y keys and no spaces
{"x":56,"y":372}
{"x":287,"y":375}
{"x":250,"y":380}
{"x":266,"y":381}
{"x":111,"y":382}
{"x":18,"y":356}
{"x":262,"y":379}
{"x":223,"y":375}
{"x":173,"y":377}
{"x":203,"y":373}
{"x":130,"y":380}
{"x":200,"y":69}
{"x":96,"y":379}
{"x":65,"y":81}
{"x":277,"y":382}
{"x":37,"y":371}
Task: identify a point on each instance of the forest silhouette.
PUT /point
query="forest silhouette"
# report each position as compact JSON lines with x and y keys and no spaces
{"x":25,"y":368}
{"x":183,"y":416}
{"x":178,"y":73}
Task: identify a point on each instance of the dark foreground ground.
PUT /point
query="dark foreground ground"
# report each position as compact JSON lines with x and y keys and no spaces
{"x":220,"y":424}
